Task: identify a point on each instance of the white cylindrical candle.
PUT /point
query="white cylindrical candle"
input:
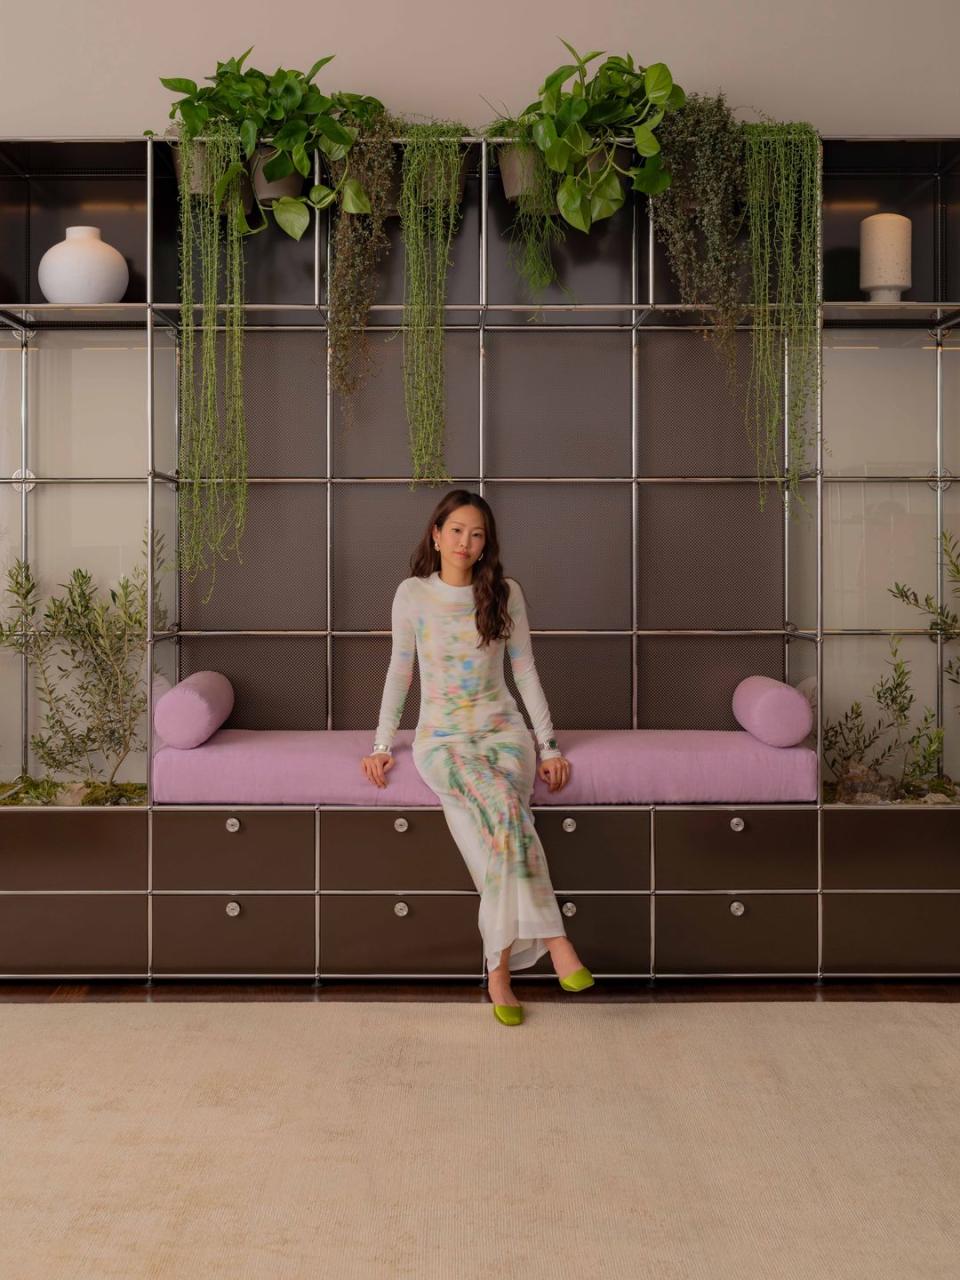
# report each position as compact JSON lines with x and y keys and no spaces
{"x":885,"y":240}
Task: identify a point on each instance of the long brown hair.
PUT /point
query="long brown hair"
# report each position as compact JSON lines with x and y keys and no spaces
{"x":490,"y":590}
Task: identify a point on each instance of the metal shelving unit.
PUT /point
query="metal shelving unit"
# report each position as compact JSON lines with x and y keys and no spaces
{"x":645,"y":312}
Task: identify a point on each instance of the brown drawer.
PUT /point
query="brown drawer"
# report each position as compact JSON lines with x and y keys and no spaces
{"x":269,"y":849}
{"x":84,"y":933}
{"x":416,"y":934}
{"x":270,"y":934}
{"x":735,"y":848}
{"x":596,"y":848}
{"x":392,"y":849}
{"x":891,"y":848}
{"x":611,"y":932}
{"x":47,"y":849}
{"x":699,"y":933}
{"x":891,"y":933}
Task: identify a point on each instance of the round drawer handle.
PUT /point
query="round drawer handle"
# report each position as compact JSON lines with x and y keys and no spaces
{"x":569,"y":824}
{"x":233,"y":824}
{"x":737,"y":908}
{"x":400,"y":824}
{"x":569,"y":909}
{"x":736,"y":824}
{"x":401,"y":909}
{"x":233,"y":908}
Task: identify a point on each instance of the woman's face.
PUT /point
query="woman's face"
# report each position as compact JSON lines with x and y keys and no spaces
{"x":462,"y":538}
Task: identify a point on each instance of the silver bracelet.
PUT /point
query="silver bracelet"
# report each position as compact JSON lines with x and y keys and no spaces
{"x":381,"y":748}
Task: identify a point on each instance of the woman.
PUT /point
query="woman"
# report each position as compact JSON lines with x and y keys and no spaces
{"x":472,"y":747}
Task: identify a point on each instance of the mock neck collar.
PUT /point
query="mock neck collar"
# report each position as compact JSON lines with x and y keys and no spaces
{"x":446,"y":587}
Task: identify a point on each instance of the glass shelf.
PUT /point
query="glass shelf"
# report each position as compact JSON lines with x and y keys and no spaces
{"x":898,"y":314}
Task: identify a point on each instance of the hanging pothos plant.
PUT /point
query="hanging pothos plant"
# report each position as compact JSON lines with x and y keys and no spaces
{"x":430,"y":210}
{"x":699,"y":217}
{"x":783,"y":195}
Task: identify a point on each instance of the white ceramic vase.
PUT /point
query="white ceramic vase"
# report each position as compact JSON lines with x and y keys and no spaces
{"x":83,"y":269}
{"x":885,"y":240}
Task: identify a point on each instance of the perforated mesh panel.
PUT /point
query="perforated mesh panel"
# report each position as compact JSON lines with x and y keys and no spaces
{"x":359,"y":670}
{"x":558,"y":404}
{"x":282,"y":580}
{"x":687,"y":682}
{"x":708,"y":558}
{"x":374,"y":440}
{"x":569,"y":546}
{"x":689,"y":423}
{"x":585,"y":679}
{"x":279,"y":682}
{"x":285,"y":388}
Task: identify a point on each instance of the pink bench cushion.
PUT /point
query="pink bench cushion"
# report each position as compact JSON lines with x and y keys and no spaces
{"x":608,"y":766}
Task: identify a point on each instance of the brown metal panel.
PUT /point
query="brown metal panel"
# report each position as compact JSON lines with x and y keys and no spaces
{"x":73,"y":933}
{"x":607,"y":848}
{"x":700,"y":849}
{"x":611,"y":933}
{"x":891,"y":933}
{"x":699,"y":933}
{"x":280,"y":682}
{"x":271,"y":933}
{"x":687,"y":682}
{"x":891,"y":848}
{"x":365,"y":850}
{"x":270,"y":850}
{"x":432,"y":934}
{"x":51,"y":849}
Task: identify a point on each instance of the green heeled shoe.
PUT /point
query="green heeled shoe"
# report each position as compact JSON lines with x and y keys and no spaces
{"x":579,"y":980}
{"x":511,"y":1015}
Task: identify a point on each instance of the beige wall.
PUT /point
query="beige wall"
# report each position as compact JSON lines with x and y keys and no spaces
{"x":90,"y":67}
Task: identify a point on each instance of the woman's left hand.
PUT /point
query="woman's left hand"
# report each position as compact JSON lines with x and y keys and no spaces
{"x":555,"y":771}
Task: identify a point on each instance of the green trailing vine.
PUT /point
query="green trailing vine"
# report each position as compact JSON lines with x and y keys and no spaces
{"x":698,"y":218}
{"x":429,"y":216}
{"x":782,"y":172}
{"x":213,"y":453}
{"x":359,"y":242}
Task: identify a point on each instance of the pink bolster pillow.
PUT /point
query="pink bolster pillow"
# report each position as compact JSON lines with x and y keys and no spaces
{"x":773,"y":712}
{"x":192,"y":710}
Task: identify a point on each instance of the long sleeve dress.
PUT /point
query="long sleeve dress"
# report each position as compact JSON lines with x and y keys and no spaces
{"x":473,"y":749}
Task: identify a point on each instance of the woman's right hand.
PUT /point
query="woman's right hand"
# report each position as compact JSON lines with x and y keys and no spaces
{"x":376,"y":766}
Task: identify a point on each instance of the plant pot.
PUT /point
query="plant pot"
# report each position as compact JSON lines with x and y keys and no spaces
{"x":266,"y":191}
{"x":392,"y":209}
{"x":517,"y":161}
{"x":623,"y":156}
{"x":198,"y":177}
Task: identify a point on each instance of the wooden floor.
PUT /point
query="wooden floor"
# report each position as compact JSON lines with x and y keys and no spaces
{"x":611,"y":991}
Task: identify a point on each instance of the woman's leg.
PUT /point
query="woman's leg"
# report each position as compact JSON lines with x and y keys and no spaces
{"x":498,"y":981}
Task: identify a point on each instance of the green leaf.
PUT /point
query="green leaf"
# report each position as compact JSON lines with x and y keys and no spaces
{"x":652,"y":178}
{"x":177,"y":84}
{"x":545,"y":133}
{"x":677,"y":98}
{"x":658,"y":82}
{"x":290,"y":92}
{"x":314,"y":102}
{"x":293,"y":134}
{"x":194,"y":117}
{"x":225,"y":179}
{"x":301,"y":161}
{"x":644,"y":141}
{"x":278,"y":166}
{"x":320,"y":62}
{"x":320,"y":196}
{"x":573,"y":203}
{"x":578,"y":140}
{"x":335,"y":132}
{"x":243,"y":57}
{"x":248,"y":137}
{"x":332,"y":150}
{"x":292,"y":216}
{"x":607,"y":198}
{"x":355,"y":199}
{"x":557,"y":156}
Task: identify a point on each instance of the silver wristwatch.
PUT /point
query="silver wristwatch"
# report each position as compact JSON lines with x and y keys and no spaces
{"x":549,"y":745}
{"x":381,"y":748}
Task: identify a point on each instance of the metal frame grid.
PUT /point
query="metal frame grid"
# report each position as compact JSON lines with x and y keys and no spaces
{"x":642,"y":316}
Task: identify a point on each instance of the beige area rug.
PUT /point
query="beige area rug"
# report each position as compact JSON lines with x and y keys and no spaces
{"x":372,"y":1141}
